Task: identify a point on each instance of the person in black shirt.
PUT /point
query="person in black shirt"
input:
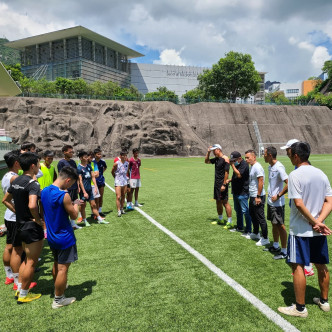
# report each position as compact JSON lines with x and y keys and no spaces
{"x":25,"y":192}
{"x":240,"y":191}
{"x":221,"y":163}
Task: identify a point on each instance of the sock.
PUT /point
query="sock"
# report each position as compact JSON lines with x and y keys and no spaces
{"x":300,"y":307}
{"x":19,"y":286}
{"x":308,"y":268}
{"x":276,"y":245}
{"x":79,"y":215}
{"x":99,"y":218}
{"x":100,"y":209}
{"x":24,"y":292}
{"x":284,"y":251}
{"x":57,"y":299}
{"x":322,"y":301}
{"x":136,"y":202}
{"x":229,"y":220}
{"x":15,"y":275}
{"x":9,"y":272}
{"x":84,"y":220}
{"x":220,"y":217}
{"x":72,"y":222}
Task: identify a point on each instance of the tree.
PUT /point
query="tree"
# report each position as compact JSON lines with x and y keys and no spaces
{"x":327,"y":68}
{"x":194,"y":95}
{"x":15,"y":71}
{"x":233,"y":76}
{"x":162,"y":94}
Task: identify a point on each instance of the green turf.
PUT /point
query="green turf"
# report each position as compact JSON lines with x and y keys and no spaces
{"x":131,"y":276}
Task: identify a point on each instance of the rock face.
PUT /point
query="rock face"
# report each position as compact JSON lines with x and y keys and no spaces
{"x":160,"y":128}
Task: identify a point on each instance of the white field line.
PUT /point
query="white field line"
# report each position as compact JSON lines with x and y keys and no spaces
{"x":261,"y":306}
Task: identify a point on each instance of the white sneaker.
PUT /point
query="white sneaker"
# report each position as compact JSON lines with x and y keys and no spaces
{"x":119,"y":213}
{"x":323,"y":306}
{"x":76,"y":226}
{"x":122,"y":211}
{"x":64,"y":301}
{"x":292,"y":311}
{"x":138,"y":205}
{"x":262,"y":242}
{"x":246,"y":235}
{"x":254,"y":236}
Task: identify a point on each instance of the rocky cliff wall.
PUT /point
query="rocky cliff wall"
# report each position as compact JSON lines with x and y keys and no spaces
{"x":160,"y":128}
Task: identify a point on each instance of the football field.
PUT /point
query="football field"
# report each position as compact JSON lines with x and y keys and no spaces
{"x":131,"y":275}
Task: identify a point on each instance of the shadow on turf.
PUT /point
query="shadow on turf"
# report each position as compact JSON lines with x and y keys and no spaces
{"x":289,"y":296}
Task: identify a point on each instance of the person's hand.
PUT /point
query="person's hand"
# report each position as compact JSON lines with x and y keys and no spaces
{"x":274,"y":198}
{"x":209,"y":148}
{"x":258,"y":200}
{"x":321,"y":228}
{"x":228,"y":181}
{"x":223,"y":188}
{"x":96,"y":191}
{"x":86,"y":196}
{"x":77,"y":202}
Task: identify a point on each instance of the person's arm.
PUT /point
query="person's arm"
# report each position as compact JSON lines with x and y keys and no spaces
{"x":34,"y":209}
{"x":7,"y":201}
{"x":260,"y":180}
{"x":94,"y":182}
{"x":81,"y":186}
{"x":114,"y":168}
{"x":326,"y":210}
{"x":235,"y":171}
{"x":283,"y":192}
{"x":71,"y":208}
{"x":207,"y":156}
{"x":55,"y":176}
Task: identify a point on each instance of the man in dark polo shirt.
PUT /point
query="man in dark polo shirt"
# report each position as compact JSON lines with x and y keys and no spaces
{"x":240,"y":191}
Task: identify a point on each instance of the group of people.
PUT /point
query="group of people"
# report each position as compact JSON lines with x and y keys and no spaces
{"x":310,"y":196}
{"x":44,"y":203}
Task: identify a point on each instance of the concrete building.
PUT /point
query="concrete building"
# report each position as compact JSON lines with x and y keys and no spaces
{"x":75,"y":53}
{"x":308,"y":86}
{"x":291,"y":90}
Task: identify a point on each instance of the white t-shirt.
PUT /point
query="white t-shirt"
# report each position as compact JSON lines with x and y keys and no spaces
{"x":5,"y":183}
{"x":256,"y":171}
{"x":277,"y":176}
{"x":312,"y":186}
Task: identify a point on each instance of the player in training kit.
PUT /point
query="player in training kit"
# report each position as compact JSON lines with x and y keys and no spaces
{"x":134,"y":178}
{"x":58,"y":207}
{"x":100,"y":179}
{"x":86,"y":174}
{"x":95,"y":171}
{"x":25,"y":192}
{"x":119,"y":172}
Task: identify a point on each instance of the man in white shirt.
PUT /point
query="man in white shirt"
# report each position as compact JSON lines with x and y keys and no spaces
{"x":276,"y":202}
{"x":311,"y":195}
{"x":257,"y":199}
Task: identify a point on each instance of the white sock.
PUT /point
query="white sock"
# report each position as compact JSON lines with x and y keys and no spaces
{"x":24,"y":292}
{"x":276,"y":245}
{"x":19,"y":286}
{"x":15,"y":275}
{"x":229,"y":220}
{"x":9,"y":272}
{"x":72,"y":222}
{"x":99,"y":218}
{"x":136,"y":202}
{"x":84,"y":220}
{"x":284,"y":250}
{"x":220,"y":217}
{"x":100,"y":209}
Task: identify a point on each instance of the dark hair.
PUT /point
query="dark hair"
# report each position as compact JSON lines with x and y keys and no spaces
{"x":27,"y":159}
{"x":82,"y":153}
{"x":11,"y":157}
{"x":91,"y":153}
{"x":302,"y":149}
{"x":66,"y":148}
{"x":48,"y":153}
{"x":122,"y":153}
{"x":27,"y":146}
{"x":272,"y":151}
{"x":135,"y":150}
{"x":68,"y":172}
{"x":251,"y":151}
{"x":96,"y":151}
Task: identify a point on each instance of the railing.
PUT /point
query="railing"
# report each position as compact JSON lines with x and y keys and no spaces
{"x":8,"y":146}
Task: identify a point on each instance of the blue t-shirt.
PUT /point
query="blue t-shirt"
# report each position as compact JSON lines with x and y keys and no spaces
{"x":71,"y":163}
{"x":102,"y":167}
{"x":60,"y":234}
{"x":85,"y":172}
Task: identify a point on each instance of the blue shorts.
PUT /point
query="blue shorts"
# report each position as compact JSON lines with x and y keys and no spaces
{"x":306,"y":250}
{"x":90,"y":193}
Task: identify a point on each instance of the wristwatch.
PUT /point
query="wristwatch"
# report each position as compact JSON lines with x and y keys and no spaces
{"x":278,"y":196}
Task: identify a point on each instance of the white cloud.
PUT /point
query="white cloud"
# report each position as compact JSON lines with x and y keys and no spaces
{"x":306,"y":46}
{"x":320,"y":55}
{"x":170,"y":57}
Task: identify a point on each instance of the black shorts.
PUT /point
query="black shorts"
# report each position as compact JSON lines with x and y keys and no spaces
{"x":90,"y":193}
{"x":276,"y":214}
{"x":65,"y":256}
{"x":73,"y":194}
{"x":220,"y":195}
{"x":100,"y":185}
{"x":30,"y":232}
{"x":11,"y":227}
{"x":16,"y":241}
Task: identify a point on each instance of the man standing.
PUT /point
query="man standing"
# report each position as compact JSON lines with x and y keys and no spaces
{"x":100,"y":179}
{"x":311,"y":195}
{"x":221,"y":163}
{"x":57,"y":206}
{"x":68,"y":152}
{"x":240,"y":190}
{"x":276,"y":201}
{"x":257,"y":199}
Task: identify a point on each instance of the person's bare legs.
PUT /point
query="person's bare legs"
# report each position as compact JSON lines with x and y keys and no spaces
{"x":283,"y":235}
{"x":219,"y":207}
{"x":60,"y":273}
{"x":118,"y":197}
{"x":7,"y":254}
{"x":100,"y":199}
{"x":323,"y":280}
{"x":83,"y":214}
{"x":136,"y":194}
{"x":299,"y":282}
{"x":275,"y":233}
{"x":228,"y":208}
{"x":123,"y":196}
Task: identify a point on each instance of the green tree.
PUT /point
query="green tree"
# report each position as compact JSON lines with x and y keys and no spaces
{"x":233,"y":76}
{"x":63,"y":85}
{"x":194,"y":96}
{"x":15,"y":71}
{"x":162,"y":93}
{"x":327,"y":68}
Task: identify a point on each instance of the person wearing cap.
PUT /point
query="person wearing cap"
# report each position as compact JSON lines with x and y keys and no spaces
{"x":240,"y":191}
{"x":288,"y":145}
{"x":257,"y":199}
{"x":276,"y":202}
{"x":221,"y":163}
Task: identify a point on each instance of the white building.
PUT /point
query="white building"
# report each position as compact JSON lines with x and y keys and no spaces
{"x":290,"y":90}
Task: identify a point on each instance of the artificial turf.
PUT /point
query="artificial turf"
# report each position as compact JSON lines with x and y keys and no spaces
{"x":132,"y":276}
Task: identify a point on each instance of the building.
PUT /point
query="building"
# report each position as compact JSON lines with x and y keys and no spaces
{"x":308,"y":86}
{"x":291,"y":90}
{"x":75,"y":53}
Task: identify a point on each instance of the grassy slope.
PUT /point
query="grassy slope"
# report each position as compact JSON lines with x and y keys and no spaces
{"x":130,"y":276}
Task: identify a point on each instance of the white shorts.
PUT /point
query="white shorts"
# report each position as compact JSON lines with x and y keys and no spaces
{"x":93,"y":191}
{"x":135,"y":183}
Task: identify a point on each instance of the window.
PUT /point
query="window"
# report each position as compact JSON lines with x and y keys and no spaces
{"x":292,"y":91}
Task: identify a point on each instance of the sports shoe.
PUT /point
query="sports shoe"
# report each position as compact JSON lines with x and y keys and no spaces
{"x":119,"y":213}
{"x":229,"y":226}
{"x":9,"y":281}
{"x":254,"y":236}
{"x":17,"y":294}
{"x":292,"y":311}
{"x":129,"y":208}
{"x":309,"y":273}
{"x":246,"y":235}
{"x":236,"y":230}
{"x":138,"y":205}
{"x":122,"y":211}
{"x":87,"y":224}
{"x":273,"y":249}
{"x":30,"y":297}
{"x":280,"y":256}
{"x":76,"y":227}
{"x":80,"y":219}
{"x":32,"y":285}
{"x":64,"y":301}
{"x":323,"y":306}
{"x":103,"y":222}
{"x":262,"y":242}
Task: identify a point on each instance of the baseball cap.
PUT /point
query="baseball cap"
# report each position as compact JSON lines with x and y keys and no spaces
{"x":215,"y":146}
{"x":235,"y":155}
{"x":289,"y":144}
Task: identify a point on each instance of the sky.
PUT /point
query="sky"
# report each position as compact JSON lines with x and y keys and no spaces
{"x":288,"y":39}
